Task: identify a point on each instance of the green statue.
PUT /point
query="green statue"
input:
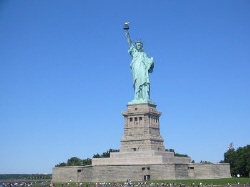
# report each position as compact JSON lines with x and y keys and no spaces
{"x":141,"y":65}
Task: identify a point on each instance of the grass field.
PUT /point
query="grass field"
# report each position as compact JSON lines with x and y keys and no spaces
{"x":243,"y":182}
{"x":189,"y":182}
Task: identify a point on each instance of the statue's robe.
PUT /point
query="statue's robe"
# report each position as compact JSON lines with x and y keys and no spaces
{"x":141,"y":65}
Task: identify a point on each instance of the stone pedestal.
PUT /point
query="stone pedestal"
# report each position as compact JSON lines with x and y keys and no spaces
{"x":141,"y":142}
{"x":142,"y":156}
{"x":141,"y":129}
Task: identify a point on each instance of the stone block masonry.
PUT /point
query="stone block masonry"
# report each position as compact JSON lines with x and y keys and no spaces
{"x":142,"y":156}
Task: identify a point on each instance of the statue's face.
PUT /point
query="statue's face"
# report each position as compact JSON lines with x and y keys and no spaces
{"x":139,"y":46}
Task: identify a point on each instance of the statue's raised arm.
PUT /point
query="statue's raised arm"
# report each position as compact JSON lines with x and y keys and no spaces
{"x":126,"y":28}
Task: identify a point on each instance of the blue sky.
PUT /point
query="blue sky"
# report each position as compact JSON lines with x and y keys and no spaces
{"x":65,"y":77}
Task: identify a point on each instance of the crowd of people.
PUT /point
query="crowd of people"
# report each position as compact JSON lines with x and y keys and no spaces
{"x":127,"y":183}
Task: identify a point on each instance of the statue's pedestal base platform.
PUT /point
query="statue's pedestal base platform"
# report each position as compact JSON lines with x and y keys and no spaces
{"x":113,"y":170}
{"x":141,"y":157}
{"x":140,"y":101}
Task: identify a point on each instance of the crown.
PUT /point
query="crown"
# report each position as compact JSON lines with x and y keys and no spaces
{"x":138,"y":41}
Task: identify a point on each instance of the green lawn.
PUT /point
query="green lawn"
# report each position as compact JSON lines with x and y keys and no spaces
{"x":232,"y":181}
{"x":189,"y":182}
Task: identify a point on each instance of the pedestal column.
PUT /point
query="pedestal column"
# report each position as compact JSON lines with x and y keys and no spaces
{"x":141,"y":129}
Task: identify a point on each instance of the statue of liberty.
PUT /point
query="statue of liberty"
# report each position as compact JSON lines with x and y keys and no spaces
{"x":141,"y":65}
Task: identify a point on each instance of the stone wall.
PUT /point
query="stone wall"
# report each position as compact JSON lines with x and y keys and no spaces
{"x":141,"y":157}
{"x":181,"y":171}
{"x":162,"y":172}
{"x":120,"y":173}
{"x":65,"y":174}
{"x":116,"y":173}
{"x":209,"y":171}
{"x":113,"y":173}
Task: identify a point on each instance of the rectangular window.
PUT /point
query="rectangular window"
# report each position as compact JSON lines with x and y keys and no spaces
{"x":135,"y":118}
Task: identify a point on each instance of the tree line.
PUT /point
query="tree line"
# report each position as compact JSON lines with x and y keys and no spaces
{"x":75,"y":161}
{"x":239,"y":161}
{"x":25,"y":176}
{"x":176,"y":154}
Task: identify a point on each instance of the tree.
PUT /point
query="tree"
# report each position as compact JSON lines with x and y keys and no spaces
{"x":61,"y":164}
{"x":96,"y":156}
{"x":105,"y":154}
{"x":86,"y":161}
{"x":239,"y":160}
{"x":170,"y":150}
{"x":180,"y":155}
{"x":176,"y":154}
{"x":74,"y":161}
{"x":205,"y":162}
